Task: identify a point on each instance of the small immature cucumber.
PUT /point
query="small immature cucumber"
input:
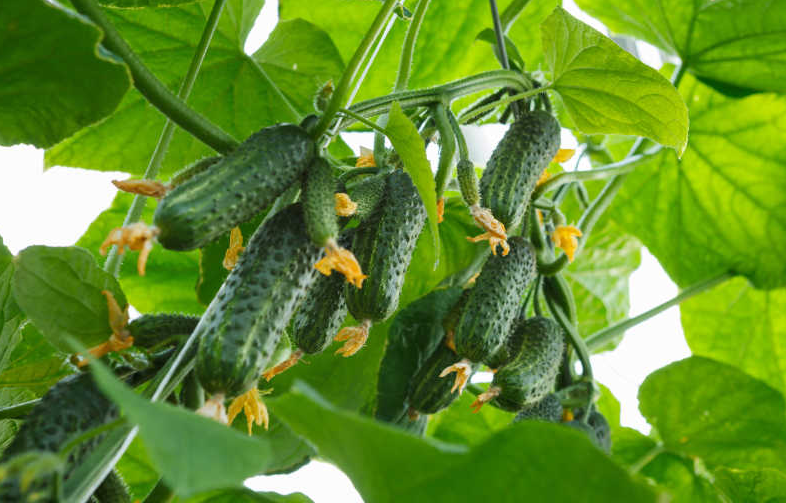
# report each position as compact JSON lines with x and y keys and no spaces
{"x":367,"y":194}
{"x":319,"y":202}
{"x":530,"y":376}
{"x":468,"y":181}
{"x":234,"y":189}
{"x":153,"y":329}
{"x":549,"y":409}
{"x":383,"y":246}
{"x":493,"y":303}
{"x":113,"y":490}
{"x":517,"y":163}
{"x":597,"y":428}
{"x":242,"y":326}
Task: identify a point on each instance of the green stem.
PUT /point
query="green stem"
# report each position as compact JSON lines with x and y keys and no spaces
{"x":363,"y":120}
{"x":606,"y":335}
{"x":624,"y":166}
{"x":19,"y":410}
{"x":114,"y":260}
{"x":442,"y":93}
{"x":68,"y":447}
{"x":338,"y":100}
{"x":573,"y":336}
{"x":511,"y":13}
{"x":408,"y":50}
{"x":152,"y":88}
{"x":461,"y":142}
{"x":447,"y":145}
{"x":543,"y":203}
{"x":646,"y":459}
{"x":161,"y":493}
{"x":502,"y":51}
{"x":343,"y":177}
{"x":505,"y":101}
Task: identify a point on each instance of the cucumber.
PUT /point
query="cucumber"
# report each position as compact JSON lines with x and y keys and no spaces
{"x":71,"y":407}
{"x":319,"y":202}
{"x":530,"y":376}
{"x":548,"y":409}
{"x":113,"y":490}
{"x":429,"y":393}
{"x":191,"y":171}
{"x":517,"y":163}
{"x":383,"y":246}
{"x":367,"y":194}
{"x":156,"y":329}
{"x":234,"y":189}
{"x":492,"y":305}
{"x":601,"y":429}
{"x":468,"y":182}
{"x":319,"y":315}
{"x":242,"y":326}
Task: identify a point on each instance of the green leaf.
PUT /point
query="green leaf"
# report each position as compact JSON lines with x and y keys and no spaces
{"x":720,"y":207}
{"x":45,"y":98}
{"x":194,"y":454}
{"x":459,"y":425}
{"x":413,"y":336}
{"x":688,"y":481}
{"x":606,"y":90}
{"x":405,"y":138}
{"x":288,"y":452}
{"x":248,"y":496}
{"x":59,"y":289}
{"x":739,"y":325}
{"x":713,"y":411}
{"x":170,"y":277}
{"x":429,"y":470}
{"x":34,"y":365}
{"x":740,"y":43}
{"x":135,"y":4}
{"x":137,"y":470}
{"x":512,"y":51}
{"x":609,"y":406}
{"x":752,"y":486}
{"x":238,"y":92}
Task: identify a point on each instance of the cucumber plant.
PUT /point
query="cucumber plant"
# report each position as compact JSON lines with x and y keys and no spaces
{"x":260,"y":142}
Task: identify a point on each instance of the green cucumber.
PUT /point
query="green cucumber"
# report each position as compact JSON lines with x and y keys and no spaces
{"x":191,"y":171}
{"x":367,"y":194}
{"x":156,"y":329}
{"x":234,"y":189}
{"x":530,"y":376}
{"x":429,"y":393}
{"x":492,"y":305}
{"x":320,"y":315}
{"x":383,"y":246}
{"x":601,"y":429}
{"x":468,"y":182}
{"x":413,"y":336}
{"x":548,"y":409}
{"x":319,"y":202}
{"x":113,"y":489}
{"x":70,"y":408}
{"x":242,"y":326}
{"x":517,"y":163}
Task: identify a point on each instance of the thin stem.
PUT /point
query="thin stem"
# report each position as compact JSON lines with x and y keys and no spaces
{"x":573,"y":336}
{"x":646,"y":459}
{"x":461,"y":142}
{"x":68,"y":447}
{"x":624,"y":166}
{"x":447,"y":144}
{"x":363,"y":120}
{"x":19,"y":410}
{"x":343,"y":177}
{"x":502,"y":52}
{"x":408,"y":50}
{"x":505,"y":101}
{"x":152,"y":88}
{"x":114,"y":260}
{"x":511,"y":13}
{"x":338,"y":99}
{"x":444,"y":93}
{"x":603,"y":337}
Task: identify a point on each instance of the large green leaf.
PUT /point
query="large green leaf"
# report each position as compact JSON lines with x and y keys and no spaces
{"x":59,"y":289}
{"x":238,"y":92}
{"x":170,"y":277}
{"x":742,"y":43}
{"x":720,"y":207}
{"x":247,"y":496}
{"x":713,"y":411}
{"x":34,"y":365}
{"x":288,"y":452}
{"x":387,"y":464}
{"x":405,"y":138}
{"x":458,"y":424}
{"x":606,"y":90}
{"x":752,"y":486}
{"x":193,"y":453}
{"x":135,"y":4}
{"x":11,"y":318}
{"x":137,"y":470}
{"x":44,"y":97}
{"x":739,"y":325}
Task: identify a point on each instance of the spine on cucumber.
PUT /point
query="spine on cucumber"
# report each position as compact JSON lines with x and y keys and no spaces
{"x":233,"y":189}
{"x":383,"y":246}
{"x":242,"y":326}
{"x":493,"y":304}
{"x":517,"y":163}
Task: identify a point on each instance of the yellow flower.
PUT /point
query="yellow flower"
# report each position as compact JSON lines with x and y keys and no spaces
{"x":366,"y":159}
{"x":564,"y":154}
{"x":235,"y":249}
{"x":345,"y":206}
{"x":343,"y":261}
{"x":565,"y":237}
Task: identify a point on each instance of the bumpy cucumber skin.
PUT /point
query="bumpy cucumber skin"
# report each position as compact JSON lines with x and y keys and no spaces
{"x":383,"y":246}
{"x":242,"y":326}
{"x":413,"y":336}
{"x":493,"y":303}
{"x":429,"y":393}
{"x":71,"y":407}
{"x":530,"y":376}
{"x":367,"y":194}
{"x":233,"y":189}
{"x":508,"y":350}
{"x":192,"y":170}
{"x":319,"y":202}
{"x":320,"y":315}
{"x":517,"y":163}
{"x":468,"y":182}
{"x":548,"y":409}
{"x":151,"y":329}
{"x":113,"y":489}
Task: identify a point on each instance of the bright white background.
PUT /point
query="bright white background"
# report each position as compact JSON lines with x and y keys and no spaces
{"x":55,"y":207}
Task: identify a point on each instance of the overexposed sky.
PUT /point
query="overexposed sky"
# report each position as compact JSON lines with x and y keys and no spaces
{"x":55,"y":207}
